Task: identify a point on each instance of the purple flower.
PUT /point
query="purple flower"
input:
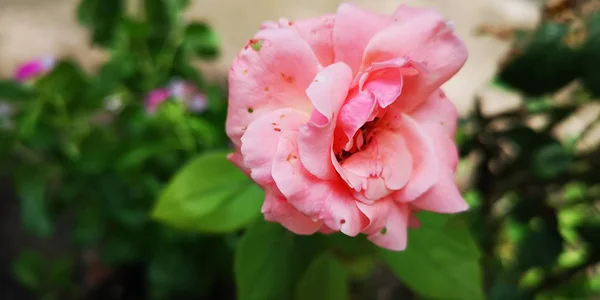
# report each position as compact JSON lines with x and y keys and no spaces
{"x":155,"y":98}
{"x":198,"y":103}
{"x":186,"y":91}
{"x":34,"y":68}
{"x":181,"y":90}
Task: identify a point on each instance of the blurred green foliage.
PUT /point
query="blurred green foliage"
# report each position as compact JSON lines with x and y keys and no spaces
{"x":538,"y":190}
{"x":564,"y":47}
{"x":82,"y":146}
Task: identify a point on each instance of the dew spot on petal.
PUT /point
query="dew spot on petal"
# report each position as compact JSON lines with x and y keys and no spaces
{"x":277,"y":129}
{"x":383,"y":230}
{"x":342,"y":221}
{"x":266,"y":89}
{"x":245,"y":71}
{"x":250,"y":109}
{"x":282,"y":116}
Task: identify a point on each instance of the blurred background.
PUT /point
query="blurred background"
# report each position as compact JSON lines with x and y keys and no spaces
{"x":31,"y":28}
{"x":105,"y":106}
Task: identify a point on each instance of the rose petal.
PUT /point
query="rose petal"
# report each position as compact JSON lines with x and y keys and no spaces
{"x":445,"y":148}
{"x":318,"y":32}
{"x":437,"y":113}
{"x":259,"y":142}
{"x":277,"y":209}
{"x":385,"y":84}
{"x":274,"y":76}
{"x":443,"y":197}
{"x":425,"y":162}
{"x":383,"y":166}
{"x":353,"y":29}
{"x":315,"y":139}
{"x":394,"y":236}
{"x":326,"y":230}
{"x":413,"y":221}
{"x":327,"y":201}
{"x":424,"y":37}
{"x":237,"y":160}
{"x":357,"y":111}
{"x":377,"y":213}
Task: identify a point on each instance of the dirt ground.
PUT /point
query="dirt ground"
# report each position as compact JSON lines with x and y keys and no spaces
{"x":31,"y":28}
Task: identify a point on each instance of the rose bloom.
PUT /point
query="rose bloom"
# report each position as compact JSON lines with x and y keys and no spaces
{"x":341,"y":120}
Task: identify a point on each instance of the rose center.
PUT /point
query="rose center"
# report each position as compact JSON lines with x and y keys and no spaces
{"x":361,"y":139}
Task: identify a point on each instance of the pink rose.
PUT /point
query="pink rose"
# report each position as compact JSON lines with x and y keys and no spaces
{"x":34,"y":68}
{"x":342,"y":121}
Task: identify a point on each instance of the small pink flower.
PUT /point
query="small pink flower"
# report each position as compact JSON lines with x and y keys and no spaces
{"x":34,"y":68}
{"x":342,"y":121}
{"x":186,"y":91}
{"x":155,"y":98}
{"x":182,"y":90}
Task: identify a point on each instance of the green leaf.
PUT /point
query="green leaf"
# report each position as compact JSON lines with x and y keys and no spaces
{"x":539,"y":105}
{"x":581,"y":286}
{"x":138,"y":156}
{"x":119,"y":249}
{"x":262,"y":263}
{"x":441,"y":260}
{"x":112,"y":74}
{"x":13,"y":91}
{"x":541,"y":246}
{"x":326,"y":279}
{"x":349,"y":247}
{"x":27,"y":268}
{"x":504,"y":290}
{"x":204,"y":131}
{"x":551,"y":161}
{"x":66,"y":81}
{"x":209,"y":194}
{"x":239,"y":211}
{"x":179,"y":268}
{"x":164,"y":15}
{"x":34,"y":213}
{"x":541,"y":62}
{"x":90,"y":224}
{"x":202,"y":40}
{"x":526,"y":142}
{"x":591,"y":55}
{"x":589,"y":231}
{"x":101,"y":17}
{"x":60,"y":272}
